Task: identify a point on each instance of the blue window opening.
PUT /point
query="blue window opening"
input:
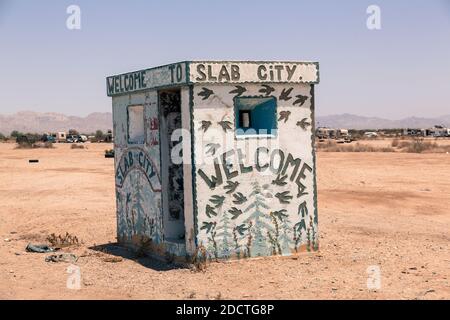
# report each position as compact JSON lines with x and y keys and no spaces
{"x":255,"y":116}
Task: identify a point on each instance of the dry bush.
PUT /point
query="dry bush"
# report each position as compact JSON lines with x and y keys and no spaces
{"x":395,"y":143}
{"x":325,"y":145}
{"x":144,"y":247}
{"x":420,"y":145}
{"x":35,"y":145}
{"x":44,"y":145}
{"x":24,"y":145}
{"x":77,"y":146}
{"x":331,"y":146}
{"x":404,"y":144}
{"x":200,"y":259}
{"x":63,"y":241}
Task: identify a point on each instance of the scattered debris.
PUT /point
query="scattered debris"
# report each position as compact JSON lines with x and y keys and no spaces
{"x":64,"y":257}
{"x":7,"y":240}
{"x":109,"y":153}
{"x":39,"y":248}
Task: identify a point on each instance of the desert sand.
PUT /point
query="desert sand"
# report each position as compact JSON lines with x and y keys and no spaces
{"x":390,"y":210}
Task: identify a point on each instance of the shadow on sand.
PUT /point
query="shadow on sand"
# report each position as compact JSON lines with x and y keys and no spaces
{"x":118,"y":250}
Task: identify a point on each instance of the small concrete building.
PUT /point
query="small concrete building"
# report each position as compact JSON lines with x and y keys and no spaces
{"x":216,"y":156}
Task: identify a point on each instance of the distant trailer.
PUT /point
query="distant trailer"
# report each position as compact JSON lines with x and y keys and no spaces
{"x":325,"y":133}
{"x":439,"y":131}
{"x":59,"y":136}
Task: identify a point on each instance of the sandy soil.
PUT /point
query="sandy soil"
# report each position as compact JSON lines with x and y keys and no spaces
{"x":389,"y":210}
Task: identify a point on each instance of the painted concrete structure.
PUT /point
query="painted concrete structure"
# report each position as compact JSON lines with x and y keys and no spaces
{"x":216,"y":155}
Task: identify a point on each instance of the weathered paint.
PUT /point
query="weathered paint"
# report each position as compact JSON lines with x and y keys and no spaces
{"x":240,"y":215}
{"x":164,"y":76}
{"x":265,"y":205}
{"x":188,"y":73}
{"x":242,"y":72}
{"x":138,"y":181}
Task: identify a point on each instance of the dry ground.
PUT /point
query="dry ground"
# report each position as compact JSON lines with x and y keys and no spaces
{"x":385,"y":209}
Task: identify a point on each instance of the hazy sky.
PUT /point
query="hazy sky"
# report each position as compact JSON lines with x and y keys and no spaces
{"x":398,"y":71}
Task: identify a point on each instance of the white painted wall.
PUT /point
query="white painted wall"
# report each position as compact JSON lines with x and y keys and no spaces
{"x":291,"y":139}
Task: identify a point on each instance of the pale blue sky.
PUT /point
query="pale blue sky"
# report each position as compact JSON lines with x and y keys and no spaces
{"x":401,"y":70}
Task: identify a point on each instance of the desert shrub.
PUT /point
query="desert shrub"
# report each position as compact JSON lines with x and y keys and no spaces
{"x":24,"y":145}
{"x":30,"y":140}
{"x":99,"y":135}
{"x":331,"y":146}
{"x":73,"y":132}
{"x":35,"y":145}
{"x":44,"y":145}
{"x":15,"y":134}
{"x":404,"y":144}
{"x":326,"y":144}
{"x":395,"y":143}
{"x":418,"y":145}
{"x":367,"y":148}
{"x":199,"y":259}
{"x":60,"y":241}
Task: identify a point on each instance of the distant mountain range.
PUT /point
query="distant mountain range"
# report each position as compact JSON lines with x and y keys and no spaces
{"x":350,"y":121}
{"x":36,"y":122}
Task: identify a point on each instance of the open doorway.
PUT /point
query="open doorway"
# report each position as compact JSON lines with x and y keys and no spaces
{"x":171,"y":171}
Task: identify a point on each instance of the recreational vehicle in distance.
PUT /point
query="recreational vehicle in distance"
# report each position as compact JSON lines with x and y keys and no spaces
{"x":439,"y":131}
{"x":370,"y":134}
{"x":323,"y":133}
{"x":59,"y":136}
{"x":341,"y":135}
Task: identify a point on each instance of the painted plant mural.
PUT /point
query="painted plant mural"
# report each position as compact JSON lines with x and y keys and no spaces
{"x":137,"y":177}
{"x":137,"y":217}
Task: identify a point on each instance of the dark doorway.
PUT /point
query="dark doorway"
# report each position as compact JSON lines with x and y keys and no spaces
{"x":171,"y":167}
